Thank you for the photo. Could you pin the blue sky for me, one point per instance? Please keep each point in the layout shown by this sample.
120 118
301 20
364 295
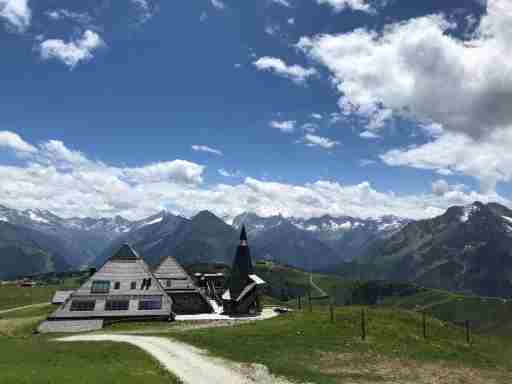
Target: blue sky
276 106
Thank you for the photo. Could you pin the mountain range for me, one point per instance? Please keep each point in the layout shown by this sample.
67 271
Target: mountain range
465 249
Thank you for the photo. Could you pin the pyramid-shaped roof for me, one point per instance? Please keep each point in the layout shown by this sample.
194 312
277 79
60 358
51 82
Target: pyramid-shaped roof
169 268
125 276
125 253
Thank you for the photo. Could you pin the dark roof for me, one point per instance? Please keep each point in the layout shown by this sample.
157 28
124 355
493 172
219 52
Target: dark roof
125 253
242 267
243 235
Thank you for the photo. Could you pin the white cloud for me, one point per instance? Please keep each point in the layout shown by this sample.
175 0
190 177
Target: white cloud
180 171
145 9
317 116
284 3
60 14
226 173
17 13
73 52
294 72
418 69
369 135
291 21
284 126
310 127
204 148
272 30
14 142
319 141
490 161
341 5
218 4
69 183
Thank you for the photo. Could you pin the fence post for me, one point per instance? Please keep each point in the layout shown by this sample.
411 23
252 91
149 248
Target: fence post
468 333
363 324
331 310
424 325
310 303
298 303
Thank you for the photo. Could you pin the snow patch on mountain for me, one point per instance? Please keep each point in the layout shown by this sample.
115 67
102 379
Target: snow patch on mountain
467 211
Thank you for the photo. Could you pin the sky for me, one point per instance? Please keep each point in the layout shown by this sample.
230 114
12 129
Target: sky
293 107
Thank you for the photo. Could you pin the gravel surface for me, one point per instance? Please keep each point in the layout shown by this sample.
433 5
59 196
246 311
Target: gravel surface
191 365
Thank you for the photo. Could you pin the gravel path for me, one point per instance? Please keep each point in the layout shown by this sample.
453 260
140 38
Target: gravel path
24 307
191 365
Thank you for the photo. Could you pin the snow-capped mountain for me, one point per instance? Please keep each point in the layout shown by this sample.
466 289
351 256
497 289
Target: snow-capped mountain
468 248
81 238
346 237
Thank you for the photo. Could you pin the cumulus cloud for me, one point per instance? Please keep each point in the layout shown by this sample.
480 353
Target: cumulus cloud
341 5
204 148
16 13
284 126
218 4
73 52
63 180
319 141
14 142
419 70
296 73
66 181
490 161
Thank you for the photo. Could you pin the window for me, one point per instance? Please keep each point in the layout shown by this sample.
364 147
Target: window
133 285
83 305
150 305
168 283
117 285
99 286
146 283
117 305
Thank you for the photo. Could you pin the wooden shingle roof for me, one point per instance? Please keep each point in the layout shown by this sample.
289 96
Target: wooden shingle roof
128 278
170 269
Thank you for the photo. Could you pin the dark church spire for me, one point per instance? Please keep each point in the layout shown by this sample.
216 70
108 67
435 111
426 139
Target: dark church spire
243 236
242 267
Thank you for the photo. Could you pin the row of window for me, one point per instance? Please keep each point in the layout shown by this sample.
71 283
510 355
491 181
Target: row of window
103 286
115 305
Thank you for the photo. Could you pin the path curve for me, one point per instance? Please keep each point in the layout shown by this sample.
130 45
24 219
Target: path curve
24 307
189 364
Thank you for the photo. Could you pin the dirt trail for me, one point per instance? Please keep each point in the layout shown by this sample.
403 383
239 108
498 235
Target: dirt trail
24 307
190 364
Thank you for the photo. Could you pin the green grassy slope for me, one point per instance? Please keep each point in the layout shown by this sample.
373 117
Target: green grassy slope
12 296
38 359
306 346
487 315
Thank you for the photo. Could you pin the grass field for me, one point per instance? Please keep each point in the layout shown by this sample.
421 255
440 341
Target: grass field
306 346
26 358
301 345
12 296
486 315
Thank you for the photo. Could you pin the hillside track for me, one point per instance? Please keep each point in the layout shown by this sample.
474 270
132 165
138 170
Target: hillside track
191 365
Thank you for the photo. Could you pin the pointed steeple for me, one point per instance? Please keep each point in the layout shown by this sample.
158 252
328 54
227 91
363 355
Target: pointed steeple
242 266
243 237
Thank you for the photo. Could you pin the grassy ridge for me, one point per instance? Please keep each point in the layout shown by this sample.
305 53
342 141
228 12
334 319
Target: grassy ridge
486 315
